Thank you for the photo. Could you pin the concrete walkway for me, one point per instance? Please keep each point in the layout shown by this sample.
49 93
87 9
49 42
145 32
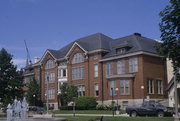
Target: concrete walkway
121 115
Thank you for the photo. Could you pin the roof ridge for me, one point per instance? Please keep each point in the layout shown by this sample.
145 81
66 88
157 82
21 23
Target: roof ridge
100 36
138 44
124 37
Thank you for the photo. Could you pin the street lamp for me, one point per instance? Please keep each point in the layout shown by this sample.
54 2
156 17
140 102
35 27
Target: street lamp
112 102
34 100
59 99
117 110
142 87
176 118
74 106
47 94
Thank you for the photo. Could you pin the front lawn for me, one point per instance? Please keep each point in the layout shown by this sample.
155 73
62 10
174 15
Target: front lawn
120 119
85 112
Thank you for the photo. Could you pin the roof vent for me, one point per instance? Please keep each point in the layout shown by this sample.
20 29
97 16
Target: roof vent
137 34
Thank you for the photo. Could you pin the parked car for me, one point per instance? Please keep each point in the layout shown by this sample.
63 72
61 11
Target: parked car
149 108
32 108
40 109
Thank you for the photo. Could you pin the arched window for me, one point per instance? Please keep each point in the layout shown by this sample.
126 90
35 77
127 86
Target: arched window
78 58
49 64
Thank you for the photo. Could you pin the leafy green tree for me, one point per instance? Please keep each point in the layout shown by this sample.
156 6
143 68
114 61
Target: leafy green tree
11 80
33 93
68 93
170 33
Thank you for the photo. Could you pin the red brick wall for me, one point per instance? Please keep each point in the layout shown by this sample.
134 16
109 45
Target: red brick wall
51 85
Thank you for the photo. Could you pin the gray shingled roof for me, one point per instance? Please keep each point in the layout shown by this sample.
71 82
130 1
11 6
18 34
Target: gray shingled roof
101 41
94 42
89 43
135 42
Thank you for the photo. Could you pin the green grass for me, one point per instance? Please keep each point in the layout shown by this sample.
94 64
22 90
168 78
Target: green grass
85 112
2 114
120 119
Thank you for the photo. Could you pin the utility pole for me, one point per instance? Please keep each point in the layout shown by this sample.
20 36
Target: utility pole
112 102
47 105
176 118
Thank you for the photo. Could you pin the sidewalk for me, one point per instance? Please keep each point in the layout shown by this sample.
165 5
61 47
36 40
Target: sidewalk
121 115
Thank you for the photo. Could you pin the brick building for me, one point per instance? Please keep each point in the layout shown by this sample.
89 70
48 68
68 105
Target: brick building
128 68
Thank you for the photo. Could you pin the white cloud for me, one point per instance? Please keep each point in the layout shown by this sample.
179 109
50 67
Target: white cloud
19 61
158 40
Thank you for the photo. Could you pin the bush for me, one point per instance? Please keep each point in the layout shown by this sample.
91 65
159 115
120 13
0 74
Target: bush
85 103
66 108
106 107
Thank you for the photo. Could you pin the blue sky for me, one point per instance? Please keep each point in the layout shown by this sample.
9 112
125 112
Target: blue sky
55 23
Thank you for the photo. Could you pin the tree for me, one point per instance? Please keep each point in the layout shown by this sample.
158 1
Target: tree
11 80
33 93
170 33
68 93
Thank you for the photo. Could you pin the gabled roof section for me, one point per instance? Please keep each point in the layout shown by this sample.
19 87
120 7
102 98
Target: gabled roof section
73 46
89 43
48 51
95 42
136 42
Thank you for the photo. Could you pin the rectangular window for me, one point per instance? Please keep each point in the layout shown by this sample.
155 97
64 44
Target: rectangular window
51 76
121 67
124 104
96 89
109 68
95 70
95 57
121 50
81 90
133 65
124 87
150 86
160 86
112 89
62 72
78 73
51 93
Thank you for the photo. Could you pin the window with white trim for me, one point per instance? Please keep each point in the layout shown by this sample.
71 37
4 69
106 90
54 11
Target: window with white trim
95 57
159 86
51 93
62 72
150 86
112 87
78 58
124 87
96 90
109 68
133 65
49 64
51 76
78 73
121 67
95 70
121 50
81 90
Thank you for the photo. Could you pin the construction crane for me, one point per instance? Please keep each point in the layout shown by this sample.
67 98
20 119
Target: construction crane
28 59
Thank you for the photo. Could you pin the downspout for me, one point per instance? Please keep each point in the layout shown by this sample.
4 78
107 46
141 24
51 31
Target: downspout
102 91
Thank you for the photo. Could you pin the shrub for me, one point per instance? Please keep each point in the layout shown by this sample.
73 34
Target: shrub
85 103
66 108
105 107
